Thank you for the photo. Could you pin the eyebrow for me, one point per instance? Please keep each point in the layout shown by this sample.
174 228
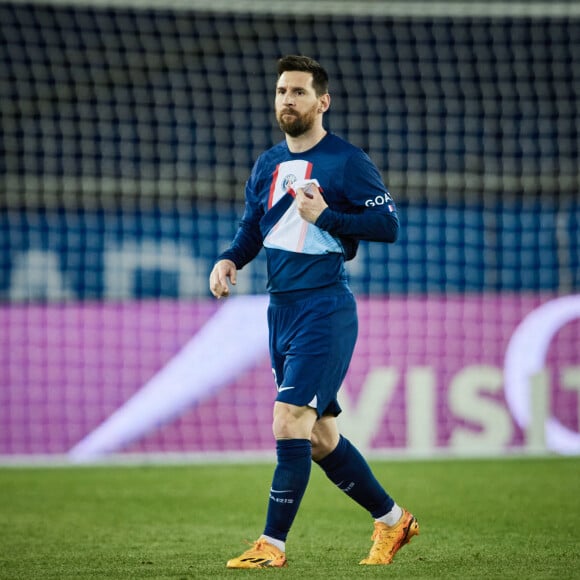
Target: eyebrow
292 87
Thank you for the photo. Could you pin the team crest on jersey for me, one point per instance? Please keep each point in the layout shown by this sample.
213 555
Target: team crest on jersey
288 181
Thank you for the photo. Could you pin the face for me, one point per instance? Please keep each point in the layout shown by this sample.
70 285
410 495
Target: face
297 105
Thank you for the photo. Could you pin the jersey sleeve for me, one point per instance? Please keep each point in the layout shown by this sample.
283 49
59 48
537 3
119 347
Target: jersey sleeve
247 242
373 214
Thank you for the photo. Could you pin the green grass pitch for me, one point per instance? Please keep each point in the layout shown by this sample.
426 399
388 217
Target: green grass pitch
507 518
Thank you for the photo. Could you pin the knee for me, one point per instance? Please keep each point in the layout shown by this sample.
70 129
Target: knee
283 426
322 446
292 422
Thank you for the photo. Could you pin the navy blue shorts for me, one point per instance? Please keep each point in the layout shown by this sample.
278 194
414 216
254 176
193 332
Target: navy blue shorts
312 338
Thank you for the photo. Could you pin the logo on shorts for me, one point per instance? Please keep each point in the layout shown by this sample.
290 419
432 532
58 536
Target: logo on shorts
278 387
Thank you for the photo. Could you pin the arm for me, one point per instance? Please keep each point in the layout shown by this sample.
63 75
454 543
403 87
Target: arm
368 225
371 213
244 248
247 242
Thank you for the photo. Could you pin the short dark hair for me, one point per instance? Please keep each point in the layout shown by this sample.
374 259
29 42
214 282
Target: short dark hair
295 62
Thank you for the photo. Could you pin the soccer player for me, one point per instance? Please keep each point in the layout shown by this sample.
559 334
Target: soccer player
310 199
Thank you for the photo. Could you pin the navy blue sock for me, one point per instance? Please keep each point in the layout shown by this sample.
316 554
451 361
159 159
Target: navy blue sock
350 472
288 485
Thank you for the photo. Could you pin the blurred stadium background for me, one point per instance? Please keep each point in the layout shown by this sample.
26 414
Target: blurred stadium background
128 131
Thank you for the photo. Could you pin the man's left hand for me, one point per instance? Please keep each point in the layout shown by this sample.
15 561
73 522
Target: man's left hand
310 203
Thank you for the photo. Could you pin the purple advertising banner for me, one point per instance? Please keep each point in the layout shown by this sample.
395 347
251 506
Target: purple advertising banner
470 374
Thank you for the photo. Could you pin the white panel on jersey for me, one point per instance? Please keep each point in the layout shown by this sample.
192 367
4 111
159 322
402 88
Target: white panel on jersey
291 232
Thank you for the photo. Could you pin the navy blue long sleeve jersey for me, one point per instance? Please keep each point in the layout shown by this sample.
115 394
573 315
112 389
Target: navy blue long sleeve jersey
301 255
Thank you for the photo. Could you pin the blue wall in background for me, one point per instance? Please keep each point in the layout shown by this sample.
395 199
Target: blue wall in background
442 248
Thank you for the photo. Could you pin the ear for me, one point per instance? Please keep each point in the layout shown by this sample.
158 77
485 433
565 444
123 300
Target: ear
323 103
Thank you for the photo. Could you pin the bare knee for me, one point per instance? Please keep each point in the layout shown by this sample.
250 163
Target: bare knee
324 438
321 447
292 422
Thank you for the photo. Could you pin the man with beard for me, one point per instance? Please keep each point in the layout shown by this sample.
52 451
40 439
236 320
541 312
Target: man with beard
310 199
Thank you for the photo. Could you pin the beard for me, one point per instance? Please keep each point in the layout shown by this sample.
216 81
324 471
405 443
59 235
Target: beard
294 124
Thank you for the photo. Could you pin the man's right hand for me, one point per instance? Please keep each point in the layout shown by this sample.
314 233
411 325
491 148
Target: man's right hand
218 279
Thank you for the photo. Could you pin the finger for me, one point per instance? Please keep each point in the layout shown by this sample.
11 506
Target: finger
217 285
223 288
221 292
307 191
216 289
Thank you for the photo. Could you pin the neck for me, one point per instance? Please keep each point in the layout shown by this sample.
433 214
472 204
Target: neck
306 141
